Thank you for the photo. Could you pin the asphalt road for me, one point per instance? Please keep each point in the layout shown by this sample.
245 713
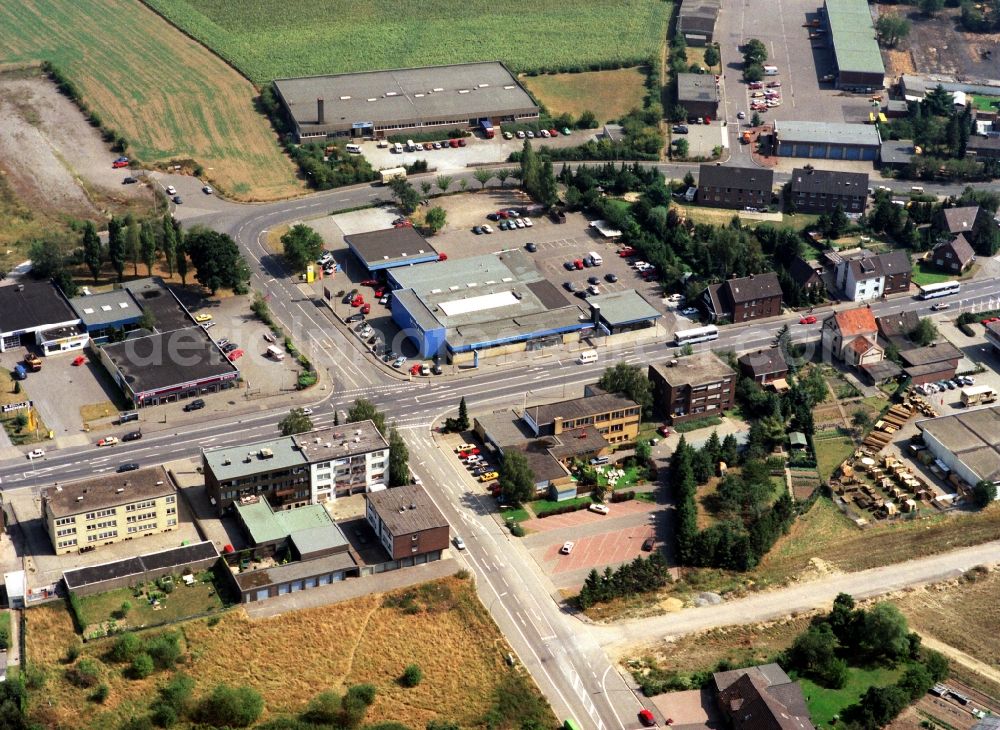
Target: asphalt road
566 658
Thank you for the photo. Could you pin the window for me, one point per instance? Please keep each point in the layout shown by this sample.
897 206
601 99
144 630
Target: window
143 517
67 531
101 525
171 522
136 506
102 536
67 543
65 521
99 514
171 499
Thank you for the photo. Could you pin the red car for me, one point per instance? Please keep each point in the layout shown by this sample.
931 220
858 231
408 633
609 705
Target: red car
442 257
369 282
366 309
626 252
357 301
554 132
578 264
808 320
379 293
991 319
119 164
453 142
646 718
663 431
235 355
415 370
461 142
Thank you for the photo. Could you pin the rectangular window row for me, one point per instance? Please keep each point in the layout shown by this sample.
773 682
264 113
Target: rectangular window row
99 514
102 536
135 507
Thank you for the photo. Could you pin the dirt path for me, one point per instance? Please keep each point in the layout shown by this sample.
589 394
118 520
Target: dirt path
960 657
797 598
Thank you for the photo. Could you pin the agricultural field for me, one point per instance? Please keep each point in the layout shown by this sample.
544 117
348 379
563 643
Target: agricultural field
309 37
169 96
610 95
440 626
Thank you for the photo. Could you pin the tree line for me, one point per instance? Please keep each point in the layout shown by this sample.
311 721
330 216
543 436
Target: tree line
642 575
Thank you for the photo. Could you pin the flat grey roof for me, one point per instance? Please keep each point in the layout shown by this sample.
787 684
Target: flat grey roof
505 427
897 151
624 307
576 408
235 462
96 310
697 87
167 359
322 538
922 84
973 436
336 442
406 510
485 299
931 354
696 369
853 34
544 466
457 92
178 557
33 305
391 245
101 492
152 294
865 135
297 570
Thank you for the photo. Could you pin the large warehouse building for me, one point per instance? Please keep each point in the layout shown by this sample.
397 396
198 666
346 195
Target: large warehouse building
460 309
855 47
380 103
827 140
966 444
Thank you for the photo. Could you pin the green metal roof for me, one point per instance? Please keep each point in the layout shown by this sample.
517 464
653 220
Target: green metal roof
854 42
624 307
265 525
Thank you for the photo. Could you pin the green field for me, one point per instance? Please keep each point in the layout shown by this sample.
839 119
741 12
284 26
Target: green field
825 703
268 40
170 97
924 273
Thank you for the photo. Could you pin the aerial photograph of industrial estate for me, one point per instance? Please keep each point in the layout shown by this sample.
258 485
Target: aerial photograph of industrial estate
563 365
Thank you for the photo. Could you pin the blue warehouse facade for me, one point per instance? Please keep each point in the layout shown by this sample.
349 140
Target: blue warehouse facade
827 140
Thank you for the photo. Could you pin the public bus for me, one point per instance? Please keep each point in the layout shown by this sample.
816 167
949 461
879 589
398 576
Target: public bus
930 291
698 334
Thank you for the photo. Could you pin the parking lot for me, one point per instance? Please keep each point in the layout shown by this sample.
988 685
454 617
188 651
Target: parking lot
801 63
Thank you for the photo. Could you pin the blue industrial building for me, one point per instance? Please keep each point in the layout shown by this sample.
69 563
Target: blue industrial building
827 140
482 306
390 248
105 314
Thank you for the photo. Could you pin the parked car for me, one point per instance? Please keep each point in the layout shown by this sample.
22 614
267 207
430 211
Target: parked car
646 718
195 405
570 286
117 164
459 542
129 180
207 190
487 229
808 320
679 129
130 466
464 447
171 190
398 362
235 355
36 454
229 347
366 308
478 230
611 278
177 200
132 436
489 476
108 441
689 312
202 317
647 544
530 247
601 509
567 548
527 222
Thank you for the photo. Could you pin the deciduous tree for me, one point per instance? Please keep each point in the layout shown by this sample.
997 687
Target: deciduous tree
297 421
517 482
93 253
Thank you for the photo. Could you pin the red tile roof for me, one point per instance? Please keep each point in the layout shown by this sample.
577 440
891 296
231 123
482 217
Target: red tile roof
853 322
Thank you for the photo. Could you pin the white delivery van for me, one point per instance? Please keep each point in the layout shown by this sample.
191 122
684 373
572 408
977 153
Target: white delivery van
770 70
353 149
587 356
275 353
595 258
397 148
410 147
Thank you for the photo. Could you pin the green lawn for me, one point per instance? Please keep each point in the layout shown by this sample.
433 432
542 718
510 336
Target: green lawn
698 423
831 453
184 601
986 103
520 514
304 37
5 624
629 479
825 703
924 273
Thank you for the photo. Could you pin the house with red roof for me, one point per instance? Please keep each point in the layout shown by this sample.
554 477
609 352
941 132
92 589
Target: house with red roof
851 336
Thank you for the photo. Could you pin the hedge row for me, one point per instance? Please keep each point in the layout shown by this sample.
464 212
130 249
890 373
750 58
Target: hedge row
564 509
113 137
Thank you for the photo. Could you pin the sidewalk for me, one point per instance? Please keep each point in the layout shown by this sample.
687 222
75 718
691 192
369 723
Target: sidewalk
353 588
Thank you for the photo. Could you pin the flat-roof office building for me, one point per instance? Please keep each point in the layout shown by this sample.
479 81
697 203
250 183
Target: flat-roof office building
380 103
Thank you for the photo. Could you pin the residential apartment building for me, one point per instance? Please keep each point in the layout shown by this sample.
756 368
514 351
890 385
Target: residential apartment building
89 513
407 524
725 186
307 468
869 276
613 416
821 191
740 300
344 460
692 387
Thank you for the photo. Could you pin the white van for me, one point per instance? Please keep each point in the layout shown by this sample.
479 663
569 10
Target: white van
353 149
275 353
397 148
770 70
410 147
595 258
587 356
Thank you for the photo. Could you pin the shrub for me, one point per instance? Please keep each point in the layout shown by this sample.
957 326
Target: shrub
100 694
622 496
164 649
76 611
126 648
72 653
412 676
516 530
141 667
85 673
164 715
233 706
